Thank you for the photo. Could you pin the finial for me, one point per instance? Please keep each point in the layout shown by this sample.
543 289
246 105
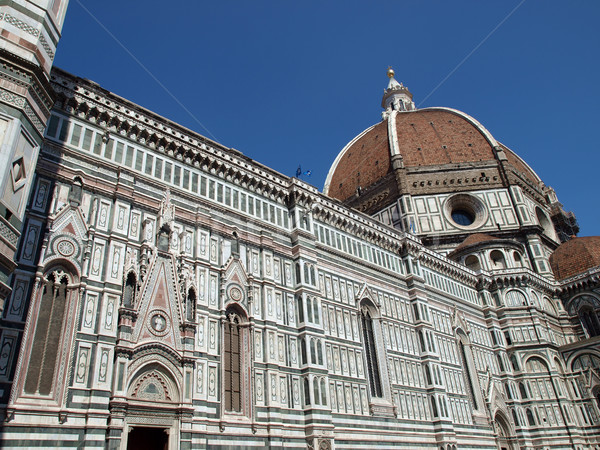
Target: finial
390 72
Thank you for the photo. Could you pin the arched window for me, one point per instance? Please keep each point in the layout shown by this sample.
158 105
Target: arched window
589 320
306 391
587 309
233 360
47 338
427 373
549 307
323 393
371 352
303 350
523 391
498 261
517 259
434 407
472 262
315 310
300 309
515 298
507 389
129 290
309 309
319 352
530 418
515 418
545 222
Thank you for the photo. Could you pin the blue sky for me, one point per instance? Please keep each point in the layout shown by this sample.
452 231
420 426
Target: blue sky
290 83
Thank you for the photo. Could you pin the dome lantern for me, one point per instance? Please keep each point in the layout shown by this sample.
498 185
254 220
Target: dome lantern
396 97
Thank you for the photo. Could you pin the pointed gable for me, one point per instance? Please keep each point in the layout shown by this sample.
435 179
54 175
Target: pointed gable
159 307
68 233
236 283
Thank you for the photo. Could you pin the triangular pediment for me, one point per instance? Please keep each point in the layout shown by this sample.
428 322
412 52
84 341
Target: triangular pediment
365 292
159 307
236 283
69 220
68 232
234 272
496 400
459 322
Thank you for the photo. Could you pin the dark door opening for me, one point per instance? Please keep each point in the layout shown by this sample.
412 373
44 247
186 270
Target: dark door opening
146 438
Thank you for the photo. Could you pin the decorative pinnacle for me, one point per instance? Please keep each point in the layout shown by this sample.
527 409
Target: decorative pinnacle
390 72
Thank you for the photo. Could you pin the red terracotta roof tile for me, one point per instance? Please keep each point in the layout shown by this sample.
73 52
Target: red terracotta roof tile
575 256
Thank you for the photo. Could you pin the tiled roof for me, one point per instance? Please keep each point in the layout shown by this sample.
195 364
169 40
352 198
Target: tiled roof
575 256
473 239
365 162
425 138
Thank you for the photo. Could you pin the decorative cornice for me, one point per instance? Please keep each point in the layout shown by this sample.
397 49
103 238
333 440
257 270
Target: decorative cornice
584 281
433 260
522 277
116 116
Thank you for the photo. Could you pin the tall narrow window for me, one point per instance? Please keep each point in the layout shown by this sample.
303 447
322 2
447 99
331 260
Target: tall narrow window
300 309
44 352
306 392
371 352
232 362
522 391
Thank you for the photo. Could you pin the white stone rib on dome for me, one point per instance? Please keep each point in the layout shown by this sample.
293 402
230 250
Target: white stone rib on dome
339 157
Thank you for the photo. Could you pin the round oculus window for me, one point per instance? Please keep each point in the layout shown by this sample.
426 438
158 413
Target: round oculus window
465 211
462 217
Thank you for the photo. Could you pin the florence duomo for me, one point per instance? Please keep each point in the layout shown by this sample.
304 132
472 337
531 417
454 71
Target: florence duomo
160 290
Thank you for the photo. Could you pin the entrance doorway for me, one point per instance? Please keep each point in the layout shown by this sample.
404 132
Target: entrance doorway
146 438
503 433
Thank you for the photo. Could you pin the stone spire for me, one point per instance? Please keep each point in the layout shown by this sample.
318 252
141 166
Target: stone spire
396 97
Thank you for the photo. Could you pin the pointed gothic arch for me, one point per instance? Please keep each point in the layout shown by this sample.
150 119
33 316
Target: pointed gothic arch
154 383
504 430
587 310
52 312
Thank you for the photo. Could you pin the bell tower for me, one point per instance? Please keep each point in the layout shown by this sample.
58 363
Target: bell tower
30 33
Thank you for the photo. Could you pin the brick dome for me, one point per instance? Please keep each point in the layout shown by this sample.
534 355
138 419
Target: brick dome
575 256
423 138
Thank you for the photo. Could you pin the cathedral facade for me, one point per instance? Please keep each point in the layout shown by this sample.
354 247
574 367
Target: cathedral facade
169 292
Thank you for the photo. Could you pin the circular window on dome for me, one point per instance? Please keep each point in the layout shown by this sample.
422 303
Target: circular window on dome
465 211
462 217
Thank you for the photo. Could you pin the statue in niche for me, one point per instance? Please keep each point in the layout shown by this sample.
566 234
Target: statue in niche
166 212
235 245
164 238
166 216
